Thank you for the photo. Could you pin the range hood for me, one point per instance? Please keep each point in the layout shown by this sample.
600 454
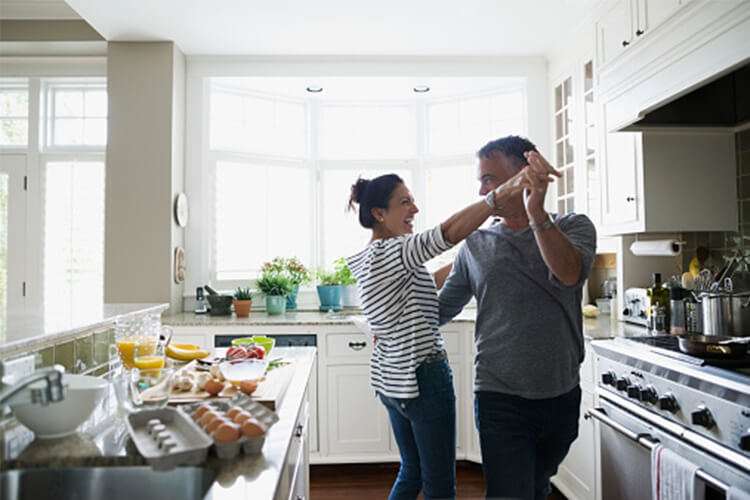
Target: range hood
723 101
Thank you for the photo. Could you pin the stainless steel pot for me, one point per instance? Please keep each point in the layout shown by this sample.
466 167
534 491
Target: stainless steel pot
726 313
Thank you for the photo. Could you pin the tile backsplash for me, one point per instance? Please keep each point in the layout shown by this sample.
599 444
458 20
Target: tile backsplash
722 245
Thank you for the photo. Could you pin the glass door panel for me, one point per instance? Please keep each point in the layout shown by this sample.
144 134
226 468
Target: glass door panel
12 238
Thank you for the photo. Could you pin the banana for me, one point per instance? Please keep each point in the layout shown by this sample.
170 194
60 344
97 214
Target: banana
187 347
176 351
695 267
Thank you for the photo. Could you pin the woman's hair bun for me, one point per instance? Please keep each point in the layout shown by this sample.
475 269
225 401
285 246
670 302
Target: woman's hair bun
358 190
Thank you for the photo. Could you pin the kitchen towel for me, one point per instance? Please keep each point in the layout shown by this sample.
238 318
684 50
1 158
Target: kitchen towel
673 477
734 493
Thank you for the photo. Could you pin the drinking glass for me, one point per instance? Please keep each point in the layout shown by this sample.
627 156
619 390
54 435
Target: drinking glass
144 389
148 354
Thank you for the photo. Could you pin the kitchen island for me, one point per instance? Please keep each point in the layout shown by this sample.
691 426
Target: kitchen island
281 468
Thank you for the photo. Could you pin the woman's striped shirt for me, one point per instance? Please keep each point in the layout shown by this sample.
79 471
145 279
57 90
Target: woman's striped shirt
400 301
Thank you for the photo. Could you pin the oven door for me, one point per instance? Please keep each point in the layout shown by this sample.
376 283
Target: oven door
626 442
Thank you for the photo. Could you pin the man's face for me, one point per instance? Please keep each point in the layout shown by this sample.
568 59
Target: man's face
493 172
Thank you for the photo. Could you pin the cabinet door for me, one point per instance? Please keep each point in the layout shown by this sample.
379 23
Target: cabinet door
356 421
576 476
614 31
620 172
651 13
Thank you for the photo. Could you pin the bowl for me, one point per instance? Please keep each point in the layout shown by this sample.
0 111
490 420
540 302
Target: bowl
82 394
266 343
236 371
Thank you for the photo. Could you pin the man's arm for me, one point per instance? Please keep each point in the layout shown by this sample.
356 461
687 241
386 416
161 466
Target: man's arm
455 293
441 275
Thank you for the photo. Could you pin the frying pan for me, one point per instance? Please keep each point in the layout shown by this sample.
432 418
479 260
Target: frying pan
714 346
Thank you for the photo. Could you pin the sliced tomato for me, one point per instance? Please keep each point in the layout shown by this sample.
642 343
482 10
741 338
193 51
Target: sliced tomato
256 351
237 352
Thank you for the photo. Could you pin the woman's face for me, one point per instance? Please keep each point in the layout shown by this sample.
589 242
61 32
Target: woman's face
398 219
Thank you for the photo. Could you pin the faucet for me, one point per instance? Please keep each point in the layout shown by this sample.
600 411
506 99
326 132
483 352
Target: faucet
52 392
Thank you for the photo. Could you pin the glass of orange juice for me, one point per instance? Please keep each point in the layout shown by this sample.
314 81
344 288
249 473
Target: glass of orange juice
148 354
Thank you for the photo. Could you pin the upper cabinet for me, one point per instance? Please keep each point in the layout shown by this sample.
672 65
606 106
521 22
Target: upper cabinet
629 20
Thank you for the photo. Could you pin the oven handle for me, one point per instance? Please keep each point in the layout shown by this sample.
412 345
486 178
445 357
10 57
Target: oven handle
649 442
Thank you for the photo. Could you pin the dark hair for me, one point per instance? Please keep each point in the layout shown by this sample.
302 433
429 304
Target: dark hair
375 193
512 147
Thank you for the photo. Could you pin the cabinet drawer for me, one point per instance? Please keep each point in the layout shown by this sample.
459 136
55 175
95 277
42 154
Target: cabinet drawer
348 345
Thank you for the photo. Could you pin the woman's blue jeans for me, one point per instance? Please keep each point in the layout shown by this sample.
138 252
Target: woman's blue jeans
425 431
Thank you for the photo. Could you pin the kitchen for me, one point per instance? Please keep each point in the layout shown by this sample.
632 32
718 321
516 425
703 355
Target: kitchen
613 64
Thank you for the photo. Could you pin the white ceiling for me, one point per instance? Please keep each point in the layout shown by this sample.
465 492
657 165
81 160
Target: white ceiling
339 27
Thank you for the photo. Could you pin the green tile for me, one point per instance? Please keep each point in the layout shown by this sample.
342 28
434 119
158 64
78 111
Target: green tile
44 358
84 355
716 239
745 211
689 240
734 240
743 139
701 239
65 355
744 159
102 341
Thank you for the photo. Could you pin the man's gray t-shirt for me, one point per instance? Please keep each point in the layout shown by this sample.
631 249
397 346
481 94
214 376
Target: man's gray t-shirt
529 333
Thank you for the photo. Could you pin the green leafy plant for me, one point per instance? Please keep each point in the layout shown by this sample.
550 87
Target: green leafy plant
327 278
344 274
243 293
290 267
274 284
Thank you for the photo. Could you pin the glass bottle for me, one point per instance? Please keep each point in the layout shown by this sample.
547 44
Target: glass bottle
657 294
200 301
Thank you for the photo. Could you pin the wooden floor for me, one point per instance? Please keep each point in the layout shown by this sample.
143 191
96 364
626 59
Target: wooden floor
374 481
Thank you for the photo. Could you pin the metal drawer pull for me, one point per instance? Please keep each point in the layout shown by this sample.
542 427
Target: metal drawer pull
648 442
357 346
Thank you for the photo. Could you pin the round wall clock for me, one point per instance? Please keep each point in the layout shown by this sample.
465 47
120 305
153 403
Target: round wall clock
181 209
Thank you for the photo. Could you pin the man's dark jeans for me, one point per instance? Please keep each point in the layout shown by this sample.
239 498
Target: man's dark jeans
523 441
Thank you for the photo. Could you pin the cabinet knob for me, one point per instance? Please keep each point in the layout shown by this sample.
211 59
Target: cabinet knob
357 346
630 198
625 43
298 430
639 32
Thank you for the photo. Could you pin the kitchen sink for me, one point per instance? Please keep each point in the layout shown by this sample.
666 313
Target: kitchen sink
112 483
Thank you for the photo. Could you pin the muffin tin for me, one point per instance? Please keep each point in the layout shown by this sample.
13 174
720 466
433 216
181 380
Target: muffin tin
246 445
167 438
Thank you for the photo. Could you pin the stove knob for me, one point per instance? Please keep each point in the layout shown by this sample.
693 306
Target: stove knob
702 416
668 402
648 394
626 311
634 392
745 441
608 378
642 314
622 383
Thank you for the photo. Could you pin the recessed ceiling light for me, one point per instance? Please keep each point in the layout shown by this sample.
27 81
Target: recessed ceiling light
314 89
421 89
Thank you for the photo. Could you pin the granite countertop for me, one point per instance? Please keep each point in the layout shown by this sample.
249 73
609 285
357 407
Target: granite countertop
261 318
254 476
25 332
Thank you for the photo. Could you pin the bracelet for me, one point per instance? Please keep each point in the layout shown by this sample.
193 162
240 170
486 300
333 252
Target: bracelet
538 228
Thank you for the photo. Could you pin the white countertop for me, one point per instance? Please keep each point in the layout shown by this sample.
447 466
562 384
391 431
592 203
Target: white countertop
26 332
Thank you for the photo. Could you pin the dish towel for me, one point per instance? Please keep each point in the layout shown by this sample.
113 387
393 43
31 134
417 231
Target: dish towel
734 493
673 477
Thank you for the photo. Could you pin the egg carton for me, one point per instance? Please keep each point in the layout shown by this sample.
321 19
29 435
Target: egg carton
166 438
247 445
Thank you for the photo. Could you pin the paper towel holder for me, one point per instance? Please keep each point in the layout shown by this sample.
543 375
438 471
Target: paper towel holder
656 248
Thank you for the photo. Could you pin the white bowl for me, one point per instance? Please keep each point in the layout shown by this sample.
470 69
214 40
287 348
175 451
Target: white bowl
82 394
236 371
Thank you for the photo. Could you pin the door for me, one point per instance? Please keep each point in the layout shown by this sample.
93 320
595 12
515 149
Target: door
620 195
651 13
615 31
12 235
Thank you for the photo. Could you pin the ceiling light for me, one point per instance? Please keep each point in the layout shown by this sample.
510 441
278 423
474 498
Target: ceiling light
314 89
421 89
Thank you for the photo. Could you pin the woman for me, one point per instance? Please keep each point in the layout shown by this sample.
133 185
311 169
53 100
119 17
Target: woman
409 368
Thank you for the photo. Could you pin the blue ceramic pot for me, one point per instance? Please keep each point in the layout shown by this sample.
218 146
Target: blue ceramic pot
330 297
275 304
291 299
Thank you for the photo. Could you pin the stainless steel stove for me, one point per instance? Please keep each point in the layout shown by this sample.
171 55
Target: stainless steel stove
651 393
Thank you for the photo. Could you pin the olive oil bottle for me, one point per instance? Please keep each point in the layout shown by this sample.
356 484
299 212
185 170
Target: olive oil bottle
658 317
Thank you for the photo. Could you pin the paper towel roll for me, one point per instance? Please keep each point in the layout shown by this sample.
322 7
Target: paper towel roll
664 248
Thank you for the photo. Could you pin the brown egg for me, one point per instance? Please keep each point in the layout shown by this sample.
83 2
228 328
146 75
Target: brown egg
207 417
215 424
241 417
252 428
200 411
233 411
227 432
248 386
213 387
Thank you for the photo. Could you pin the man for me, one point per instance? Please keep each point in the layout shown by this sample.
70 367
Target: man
526 272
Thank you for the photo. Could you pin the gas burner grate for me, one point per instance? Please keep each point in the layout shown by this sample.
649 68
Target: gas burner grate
669 345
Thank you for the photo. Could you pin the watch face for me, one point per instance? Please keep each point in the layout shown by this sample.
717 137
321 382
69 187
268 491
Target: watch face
181 209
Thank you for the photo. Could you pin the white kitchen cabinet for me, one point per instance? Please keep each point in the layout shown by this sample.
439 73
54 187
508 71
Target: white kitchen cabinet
627 21
667 181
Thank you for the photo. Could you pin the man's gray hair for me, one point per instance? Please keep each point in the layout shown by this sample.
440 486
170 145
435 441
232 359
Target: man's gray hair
512 147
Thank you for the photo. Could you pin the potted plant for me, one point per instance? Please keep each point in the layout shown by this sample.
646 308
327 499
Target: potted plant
294 270
349 294
275 286
329 290
243 299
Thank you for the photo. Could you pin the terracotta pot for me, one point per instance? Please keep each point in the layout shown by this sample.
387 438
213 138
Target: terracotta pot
242 308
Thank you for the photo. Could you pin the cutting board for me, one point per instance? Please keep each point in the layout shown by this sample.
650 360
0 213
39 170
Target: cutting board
270 391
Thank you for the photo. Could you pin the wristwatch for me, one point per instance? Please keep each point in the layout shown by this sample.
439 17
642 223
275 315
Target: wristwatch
490 200
541 227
